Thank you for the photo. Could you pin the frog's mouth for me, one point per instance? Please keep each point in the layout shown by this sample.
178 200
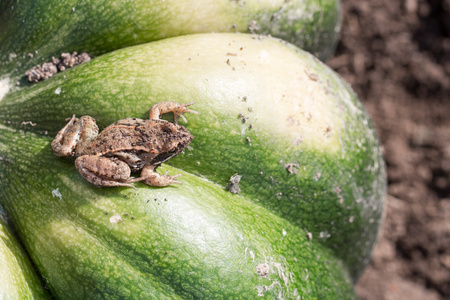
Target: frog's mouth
165 156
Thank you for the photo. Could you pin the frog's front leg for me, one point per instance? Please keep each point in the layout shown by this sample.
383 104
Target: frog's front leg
72 139
178 110
152 178
104 171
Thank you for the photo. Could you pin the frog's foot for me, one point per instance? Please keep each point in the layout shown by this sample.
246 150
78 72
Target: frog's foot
150 177
178 110
102 171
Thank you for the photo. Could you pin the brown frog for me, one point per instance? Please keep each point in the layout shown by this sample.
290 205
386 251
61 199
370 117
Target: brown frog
108 158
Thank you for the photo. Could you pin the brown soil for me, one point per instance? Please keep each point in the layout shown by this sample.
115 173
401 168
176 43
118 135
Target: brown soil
396 56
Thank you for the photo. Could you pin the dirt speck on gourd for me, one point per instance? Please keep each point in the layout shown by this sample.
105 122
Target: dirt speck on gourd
292 168
115 219
263 269
243 118
311 76
56 193
253 26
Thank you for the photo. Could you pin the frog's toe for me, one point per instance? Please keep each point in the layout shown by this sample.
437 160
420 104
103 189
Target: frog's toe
159 180
178 113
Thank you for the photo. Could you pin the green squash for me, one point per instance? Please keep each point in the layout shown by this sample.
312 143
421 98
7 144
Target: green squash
18 279
32 31
312 186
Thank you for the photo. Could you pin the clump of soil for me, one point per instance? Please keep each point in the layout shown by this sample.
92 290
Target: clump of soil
396 56
65 61
233 184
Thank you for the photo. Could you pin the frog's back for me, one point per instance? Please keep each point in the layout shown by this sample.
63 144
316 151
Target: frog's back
132 135
119 136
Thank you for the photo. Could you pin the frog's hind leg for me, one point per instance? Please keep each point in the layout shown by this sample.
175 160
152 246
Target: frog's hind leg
103 171
152 178
67 138
74 136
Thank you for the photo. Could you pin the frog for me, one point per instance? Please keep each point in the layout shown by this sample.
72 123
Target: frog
128 145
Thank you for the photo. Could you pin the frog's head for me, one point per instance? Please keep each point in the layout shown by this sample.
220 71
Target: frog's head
173 139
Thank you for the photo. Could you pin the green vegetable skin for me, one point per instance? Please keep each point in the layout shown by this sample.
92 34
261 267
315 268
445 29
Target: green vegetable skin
31 32
198 240
18 279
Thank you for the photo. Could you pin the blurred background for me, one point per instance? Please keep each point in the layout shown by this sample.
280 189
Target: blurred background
396 56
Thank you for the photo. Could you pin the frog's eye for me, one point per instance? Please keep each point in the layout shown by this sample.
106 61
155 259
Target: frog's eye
173 149
170 147
169 127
